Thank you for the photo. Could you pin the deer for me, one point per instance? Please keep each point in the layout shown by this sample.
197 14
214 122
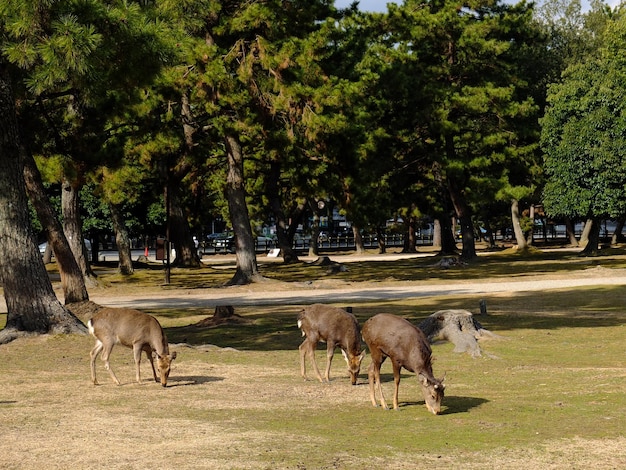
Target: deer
337 328
388 335
133 329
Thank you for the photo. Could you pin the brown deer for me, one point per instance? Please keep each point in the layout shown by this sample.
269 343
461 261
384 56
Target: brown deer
133 329
390 336
337 328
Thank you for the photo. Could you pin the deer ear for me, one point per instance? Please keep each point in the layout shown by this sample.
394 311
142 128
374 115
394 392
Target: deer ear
423 379
345 356
173 355
361 356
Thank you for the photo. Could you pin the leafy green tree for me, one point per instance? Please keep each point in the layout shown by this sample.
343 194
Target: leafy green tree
82 64
584 136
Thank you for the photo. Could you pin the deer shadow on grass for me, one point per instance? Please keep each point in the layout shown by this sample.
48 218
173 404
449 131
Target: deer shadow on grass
185 380
449 405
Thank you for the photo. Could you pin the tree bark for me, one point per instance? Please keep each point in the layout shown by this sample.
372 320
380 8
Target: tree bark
247 270
358 240
463 212
436 233
571 233
72 280
283 234
517 229
122 240
314 244
531 233
448 243
586 234
617 234
409 241
592 227
31 303
179 233
72 227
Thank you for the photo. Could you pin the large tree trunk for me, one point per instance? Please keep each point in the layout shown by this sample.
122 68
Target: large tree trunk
31 303
179 232
448 243
531 232
314 244
122 240
410 241
592 227
436 233
358 240
283 234
72 227
247 270
586 233
464 214
517 228
72 280
617 234
571 233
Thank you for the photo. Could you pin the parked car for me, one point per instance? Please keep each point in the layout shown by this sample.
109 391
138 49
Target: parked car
43 246
225 242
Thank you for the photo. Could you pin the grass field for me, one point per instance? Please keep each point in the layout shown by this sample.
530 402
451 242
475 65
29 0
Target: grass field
551 393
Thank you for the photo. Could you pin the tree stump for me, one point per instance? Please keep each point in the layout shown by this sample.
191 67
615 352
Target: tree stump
224 314
457 326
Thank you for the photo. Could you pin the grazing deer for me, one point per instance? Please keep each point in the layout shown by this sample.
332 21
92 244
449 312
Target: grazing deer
132 329
337 328
394 337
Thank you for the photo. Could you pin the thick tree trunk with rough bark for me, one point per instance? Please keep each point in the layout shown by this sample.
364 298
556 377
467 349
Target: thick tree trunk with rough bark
179 233
247 270
283 234
436 233
31 303
586 233
72 280
463 212
72 227
592 227
358 240
122 240
517 228
571 233
409 241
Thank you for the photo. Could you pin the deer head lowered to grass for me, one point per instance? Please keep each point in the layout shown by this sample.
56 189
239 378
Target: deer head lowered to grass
406 346
133 329
336 327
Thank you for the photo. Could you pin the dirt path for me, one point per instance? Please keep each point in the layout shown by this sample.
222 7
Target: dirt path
328 290
311 293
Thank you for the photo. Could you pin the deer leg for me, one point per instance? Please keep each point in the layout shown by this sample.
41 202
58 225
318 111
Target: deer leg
93 355
396 382
150 355
379 385
303 353
371 378
106 352
309 345
330 352
137 349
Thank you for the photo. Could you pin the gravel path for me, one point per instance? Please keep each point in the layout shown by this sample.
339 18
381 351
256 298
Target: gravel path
330 291
311 294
